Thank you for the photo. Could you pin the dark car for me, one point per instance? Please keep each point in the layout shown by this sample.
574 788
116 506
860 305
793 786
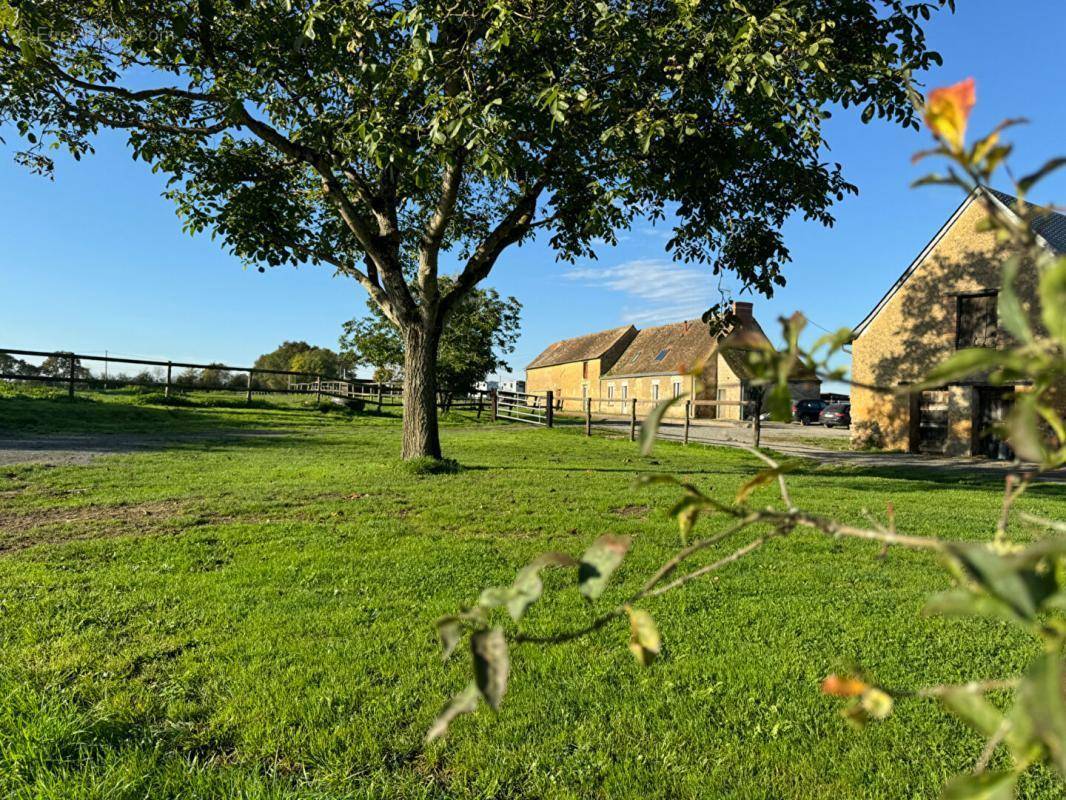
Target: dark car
806 411
836 414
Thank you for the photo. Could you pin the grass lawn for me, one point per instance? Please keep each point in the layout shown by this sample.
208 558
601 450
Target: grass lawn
253 618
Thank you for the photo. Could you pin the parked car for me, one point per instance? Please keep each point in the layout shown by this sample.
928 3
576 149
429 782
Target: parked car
806 412
836 414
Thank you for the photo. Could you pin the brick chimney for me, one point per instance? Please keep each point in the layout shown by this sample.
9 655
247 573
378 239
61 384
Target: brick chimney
743 311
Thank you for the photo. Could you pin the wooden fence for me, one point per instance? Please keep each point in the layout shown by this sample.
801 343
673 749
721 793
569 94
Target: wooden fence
310 383
546 409
551 410
73 378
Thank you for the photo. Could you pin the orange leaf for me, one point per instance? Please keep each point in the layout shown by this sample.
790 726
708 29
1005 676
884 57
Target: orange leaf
948 109
843 687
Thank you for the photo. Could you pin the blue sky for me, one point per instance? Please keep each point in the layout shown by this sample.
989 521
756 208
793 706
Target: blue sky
97 261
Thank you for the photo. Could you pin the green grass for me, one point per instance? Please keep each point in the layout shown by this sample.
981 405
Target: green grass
253 618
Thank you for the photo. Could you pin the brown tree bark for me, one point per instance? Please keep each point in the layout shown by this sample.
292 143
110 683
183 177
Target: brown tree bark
420 433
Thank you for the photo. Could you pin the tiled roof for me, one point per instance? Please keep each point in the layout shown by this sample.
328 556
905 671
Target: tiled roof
664 350
1052 227
678 347
580 348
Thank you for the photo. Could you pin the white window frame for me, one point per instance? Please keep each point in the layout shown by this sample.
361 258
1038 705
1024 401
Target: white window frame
625 391
655 391
677 388
610 391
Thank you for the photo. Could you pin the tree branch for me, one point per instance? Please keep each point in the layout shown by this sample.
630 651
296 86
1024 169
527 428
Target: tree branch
510 229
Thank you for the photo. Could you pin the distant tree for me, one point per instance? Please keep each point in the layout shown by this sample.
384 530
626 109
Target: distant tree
188 378
58 366
375 136
481 330
317 361
297 357
213 377
9 365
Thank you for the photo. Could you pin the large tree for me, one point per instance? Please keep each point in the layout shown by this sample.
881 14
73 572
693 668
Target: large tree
369 134
480 332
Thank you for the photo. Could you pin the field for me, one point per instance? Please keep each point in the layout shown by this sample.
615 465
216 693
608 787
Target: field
253 617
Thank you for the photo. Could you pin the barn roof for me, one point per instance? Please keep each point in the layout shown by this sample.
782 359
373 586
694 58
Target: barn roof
580 348
666 350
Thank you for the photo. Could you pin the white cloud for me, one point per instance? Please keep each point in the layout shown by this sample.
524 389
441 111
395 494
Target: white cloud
653 291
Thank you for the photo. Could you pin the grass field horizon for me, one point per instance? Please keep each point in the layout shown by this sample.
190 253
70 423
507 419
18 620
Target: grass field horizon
253 618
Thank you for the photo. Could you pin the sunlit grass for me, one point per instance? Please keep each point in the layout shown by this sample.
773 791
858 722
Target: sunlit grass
253 618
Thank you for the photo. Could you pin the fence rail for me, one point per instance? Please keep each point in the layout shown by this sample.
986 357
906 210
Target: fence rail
74 377
310 383
549 409
542 409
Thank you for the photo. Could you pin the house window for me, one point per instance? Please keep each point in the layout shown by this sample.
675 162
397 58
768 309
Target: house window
662 354
977 322
585 370
655 391
610 391
677 388
625 391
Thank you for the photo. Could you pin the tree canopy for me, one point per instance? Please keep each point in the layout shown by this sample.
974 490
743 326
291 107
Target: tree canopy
373 135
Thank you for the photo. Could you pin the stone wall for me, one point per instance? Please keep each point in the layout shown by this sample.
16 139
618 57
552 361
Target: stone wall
916 330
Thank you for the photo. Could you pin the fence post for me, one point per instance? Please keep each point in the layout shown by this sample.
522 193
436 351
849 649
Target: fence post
495 406
633 420
588 416
480 403
318 389
756 425
381 396
688 415
549 408
166 389
70 367
249 399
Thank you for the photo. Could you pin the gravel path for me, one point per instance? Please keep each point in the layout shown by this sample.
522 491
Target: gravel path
66 449
802 441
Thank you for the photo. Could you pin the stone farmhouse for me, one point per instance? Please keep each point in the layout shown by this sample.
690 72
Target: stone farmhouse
611 368
946 300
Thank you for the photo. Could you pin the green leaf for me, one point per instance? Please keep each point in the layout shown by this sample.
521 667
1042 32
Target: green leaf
986 786
687 512
974 709
492 665
599 562
961 364
494 597
996 576
649 429
964 603
1053 299
1011 314
463 703
1030 180
1041 695
1023 426
766 476
779 403
527 586
644 640
449 631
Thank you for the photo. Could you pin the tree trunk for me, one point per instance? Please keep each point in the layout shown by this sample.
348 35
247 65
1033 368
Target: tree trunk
420 435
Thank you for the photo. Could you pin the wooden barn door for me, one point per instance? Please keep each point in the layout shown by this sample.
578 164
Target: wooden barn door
933 421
